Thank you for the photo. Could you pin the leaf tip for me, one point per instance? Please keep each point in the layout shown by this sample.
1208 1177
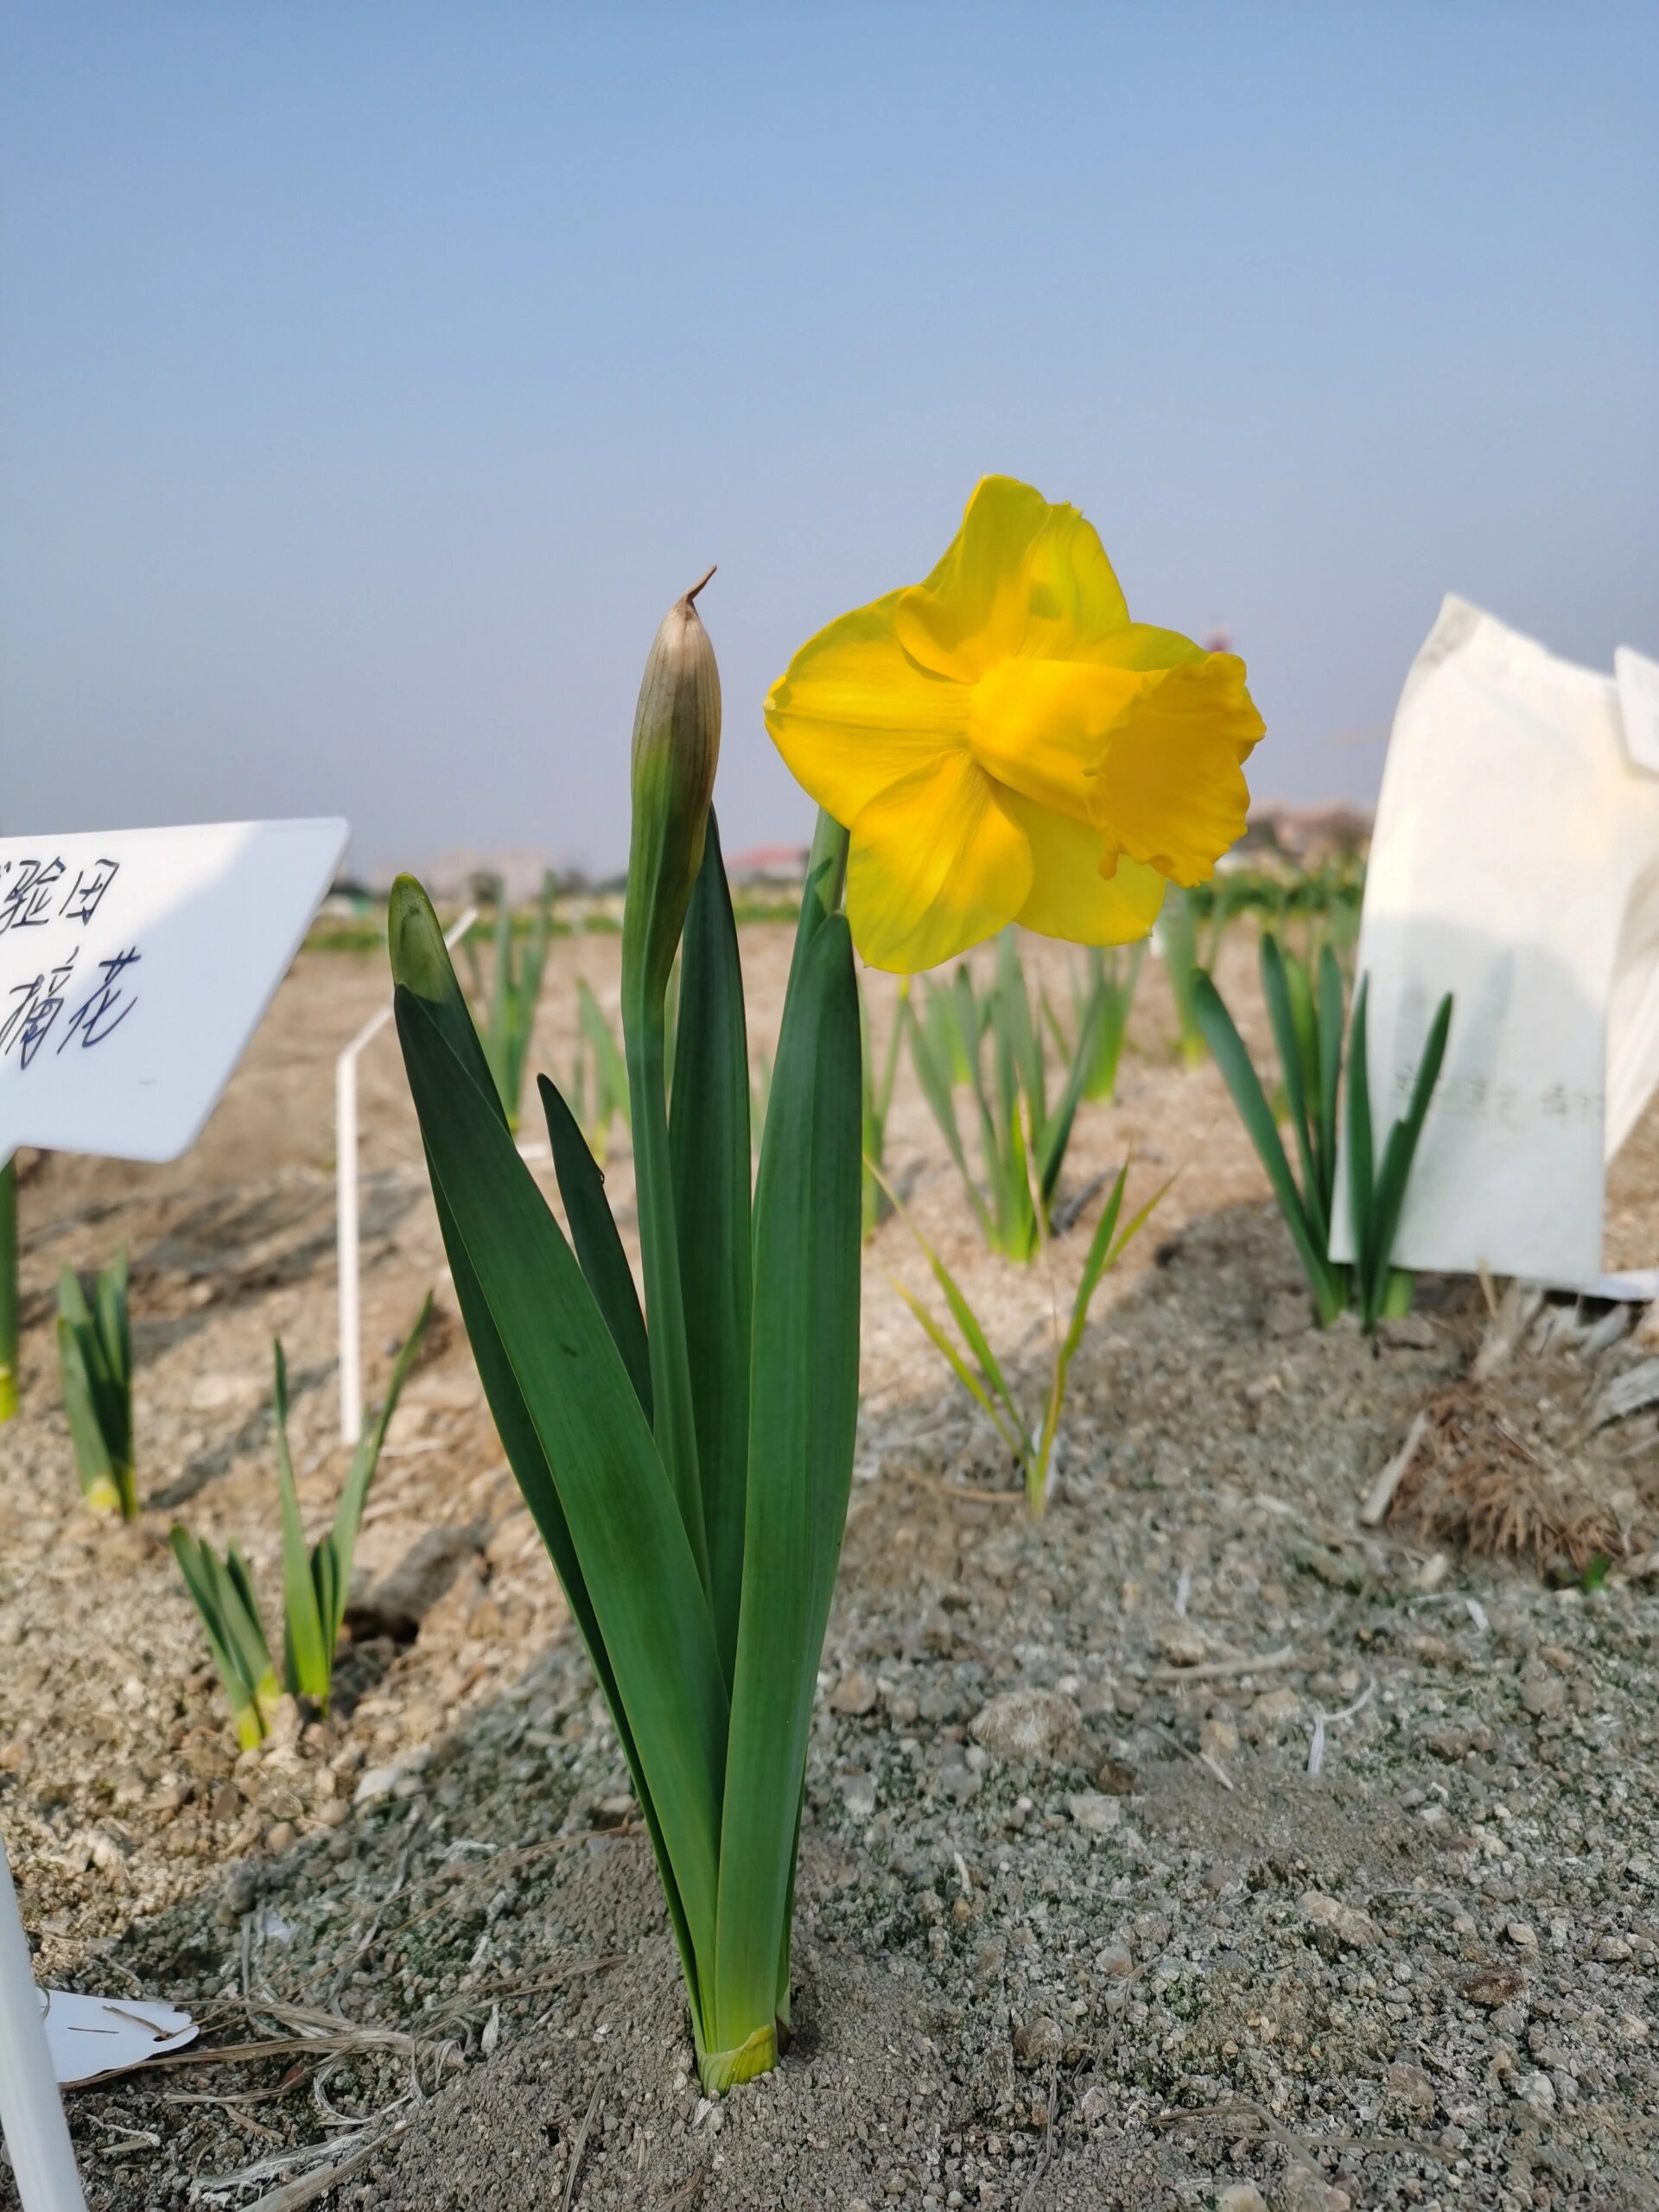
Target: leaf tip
419 960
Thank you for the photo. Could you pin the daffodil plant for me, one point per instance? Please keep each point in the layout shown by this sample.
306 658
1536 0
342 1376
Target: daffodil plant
688 1465
95 1370
316 1578
999 742
1307 1018
976 1366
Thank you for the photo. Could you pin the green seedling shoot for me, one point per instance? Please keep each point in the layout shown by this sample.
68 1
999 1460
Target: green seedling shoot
95 1370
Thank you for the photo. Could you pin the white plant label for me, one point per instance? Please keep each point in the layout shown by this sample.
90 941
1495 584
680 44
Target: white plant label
134 965
91 2037
1516 864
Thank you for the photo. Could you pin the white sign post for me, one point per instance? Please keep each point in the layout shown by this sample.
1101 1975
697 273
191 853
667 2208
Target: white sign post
1515 863
134 965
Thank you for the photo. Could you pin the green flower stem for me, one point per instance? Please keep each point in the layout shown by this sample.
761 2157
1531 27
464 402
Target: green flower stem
644 1032
826 876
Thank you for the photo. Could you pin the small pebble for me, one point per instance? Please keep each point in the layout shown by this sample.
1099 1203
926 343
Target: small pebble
1350 1926
1039 2042
1030 1726
854 1693
1241 2197
1093 1812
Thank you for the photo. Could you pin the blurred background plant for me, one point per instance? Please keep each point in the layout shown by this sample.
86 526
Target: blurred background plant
599 1080
976 1366
95 1369
514 989
1102 991
1023 1138
877 1101
1176 936
1305 1009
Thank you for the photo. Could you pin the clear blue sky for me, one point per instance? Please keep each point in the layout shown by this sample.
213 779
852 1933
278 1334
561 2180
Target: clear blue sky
372 376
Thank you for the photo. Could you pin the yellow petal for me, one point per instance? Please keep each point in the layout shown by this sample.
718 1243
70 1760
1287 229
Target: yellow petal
936 864
1144 645
1020 578
853 713
1069 896
1043 726
1172 793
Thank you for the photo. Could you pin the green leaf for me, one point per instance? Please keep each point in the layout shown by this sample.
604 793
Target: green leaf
598 1248
1178 941
1288 1034
354 1494
959 1367
1362 1180
1099 1255
570 1420
804 1414
710 1155
236 1641
94 1464
673 1409
1056 1131
529 1462
239 1609
826 874
1025 1040
498 1034
973 1335
1002 1201
114 1324
1330 1029
1398 1154
420 960
1227 1049
308 1659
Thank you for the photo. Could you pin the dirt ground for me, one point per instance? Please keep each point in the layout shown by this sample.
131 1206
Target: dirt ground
1195 1842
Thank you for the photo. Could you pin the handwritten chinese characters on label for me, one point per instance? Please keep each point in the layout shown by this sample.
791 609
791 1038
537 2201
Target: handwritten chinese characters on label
134 966
33 894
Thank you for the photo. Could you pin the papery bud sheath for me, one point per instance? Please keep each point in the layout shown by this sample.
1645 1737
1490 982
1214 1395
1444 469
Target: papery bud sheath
675 751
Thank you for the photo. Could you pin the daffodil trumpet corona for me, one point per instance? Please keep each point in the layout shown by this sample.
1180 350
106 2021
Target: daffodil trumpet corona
688 1462
1003 744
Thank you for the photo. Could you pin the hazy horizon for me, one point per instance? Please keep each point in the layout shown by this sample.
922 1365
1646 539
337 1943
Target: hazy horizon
373 379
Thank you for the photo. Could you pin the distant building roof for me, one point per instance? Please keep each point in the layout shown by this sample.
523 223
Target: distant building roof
1306 833
785 863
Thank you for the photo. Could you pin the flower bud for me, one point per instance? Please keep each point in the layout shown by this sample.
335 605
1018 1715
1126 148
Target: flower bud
676 749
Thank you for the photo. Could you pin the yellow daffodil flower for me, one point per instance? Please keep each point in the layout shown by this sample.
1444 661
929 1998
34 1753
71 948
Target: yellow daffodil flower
1004 744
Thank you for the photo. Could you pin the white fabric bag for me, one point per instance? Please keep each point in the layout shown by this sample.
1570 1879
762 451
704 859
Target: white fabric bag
1515 863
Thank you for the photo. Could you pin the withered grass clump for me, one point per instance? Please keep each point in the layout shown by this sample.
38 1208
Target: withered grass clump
1485 1476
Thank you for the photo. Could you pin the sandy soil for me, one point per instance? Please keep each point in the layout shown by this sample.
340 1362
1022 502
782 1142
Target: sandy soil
1134 1952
